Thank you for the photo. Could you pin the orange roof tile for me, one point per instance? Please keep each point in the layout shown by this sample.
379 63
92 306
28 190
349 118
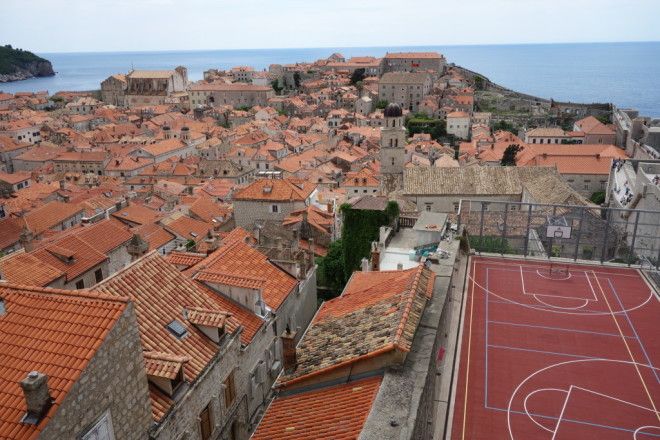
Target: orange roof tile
70 255
51 214
240 261
276 190
77 324
161 294
333 412
26 269
377 312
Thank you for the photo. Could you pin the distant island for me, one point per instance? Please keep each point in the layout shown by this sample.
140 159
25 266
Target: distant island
19 64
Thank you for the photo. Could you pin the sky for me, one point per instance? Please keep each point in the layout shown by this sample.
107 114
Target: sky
144 25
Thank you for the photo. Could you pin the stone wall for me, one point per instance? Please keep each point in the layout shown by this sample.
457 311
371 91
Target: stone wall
114 381
246 212
182 422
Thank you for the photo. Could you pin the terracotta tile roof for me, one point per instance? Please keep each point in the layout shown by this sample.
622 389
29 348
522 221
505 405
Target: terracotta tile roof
250 322
70 255
276 190
210 318
161 294
51 214
336 412
77 324
186 259
155 235
188 228
26 269
416 55
320 220
235 260
136 214
163 364
207 209
377 312
164 147
11 228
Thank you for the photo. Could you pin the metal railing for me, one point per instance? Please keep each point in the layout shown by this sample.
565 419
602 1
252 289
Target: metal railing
574 232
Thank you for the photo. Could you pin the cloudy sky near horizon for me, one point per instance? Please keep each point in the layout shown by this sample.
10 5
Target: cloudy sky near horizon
141 25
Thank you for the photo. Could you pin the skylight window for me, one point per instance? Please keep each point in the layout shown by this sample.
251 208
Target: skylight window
177 329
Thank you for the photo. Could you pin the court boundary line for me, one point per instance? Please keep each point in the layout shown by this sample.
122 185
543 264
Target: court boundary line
544 263
469 352
632 327
616 321
561 329
509 411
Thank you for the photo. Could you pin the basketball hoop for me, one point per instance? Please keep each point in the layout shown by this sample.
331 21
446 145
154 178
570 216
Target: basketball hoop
557 227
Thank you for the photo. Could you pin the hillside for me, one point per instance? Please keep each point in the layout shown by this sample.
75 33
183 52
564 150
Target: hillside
19 64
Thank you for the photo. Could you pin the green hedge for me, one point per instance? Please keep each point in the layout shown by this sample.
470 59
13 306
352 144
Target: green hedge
487 243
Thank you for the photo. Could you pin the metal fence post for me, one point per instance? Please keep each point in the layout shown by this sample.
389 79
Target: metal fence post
481 227
634 238
506 213
607 227
578 236
527 232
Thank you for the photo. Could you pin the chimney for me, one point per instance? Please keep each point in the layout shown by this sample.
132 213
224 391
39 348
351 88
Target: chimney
375 257
289 356
37 397
62 185
279 243
25 239
185 133
365 265
311 246
167 132
399 266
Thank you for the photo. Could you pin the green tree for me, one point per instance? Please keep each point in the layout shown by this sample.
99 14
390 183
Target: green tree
505 126
296 79
357 76
381 104
509 156
275 84
331 267
479 82
421 123
605 119
598 197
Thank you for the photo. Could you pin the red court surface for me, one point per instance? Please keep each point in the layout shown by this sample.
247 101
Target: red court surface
545 356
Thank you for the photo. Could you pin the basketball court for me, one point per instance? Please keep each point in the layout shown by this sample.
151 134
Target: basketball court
557 351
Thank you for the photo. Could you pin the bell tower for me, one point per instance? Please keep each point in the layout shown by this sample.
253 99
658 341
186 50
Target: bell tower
392 148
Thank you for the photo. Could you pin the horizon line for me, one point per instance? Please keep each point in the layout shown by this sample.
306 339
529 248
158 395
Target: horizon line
348 47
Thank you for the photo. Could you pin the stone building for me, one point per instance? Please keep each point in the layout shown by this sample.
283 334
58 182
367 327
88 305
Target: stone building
81 162
237 94
271 199
414 62
406 89
191 352
113 90
154 87
47 395
392 148
458 124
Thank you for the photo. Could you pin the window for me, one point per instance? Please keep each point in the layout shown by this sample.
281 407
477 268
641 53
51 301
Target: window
274 208
205 426
428 207
80 284
98 275
230 390
102 430
456 206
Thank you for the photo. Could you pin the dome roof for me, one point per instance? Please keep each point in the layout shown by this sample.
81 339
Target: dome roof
393 111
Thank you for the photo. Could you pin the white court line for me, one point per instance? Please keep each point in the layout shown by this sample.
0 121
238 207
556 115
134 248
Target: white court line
536 295
533 307
538 272
527 410
495 261
584 304
643 428
559 364
561 414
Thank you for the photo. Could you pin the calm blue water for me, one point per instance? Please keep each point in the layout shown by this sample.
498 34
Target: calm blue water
627 74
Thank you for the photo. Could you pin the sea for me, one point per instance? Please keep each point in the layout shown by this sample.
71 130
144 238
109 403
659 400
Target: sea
626 74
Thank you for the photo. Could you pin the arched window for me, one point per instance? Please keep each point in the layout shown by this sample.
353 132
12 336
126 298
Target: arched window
391 142
396 142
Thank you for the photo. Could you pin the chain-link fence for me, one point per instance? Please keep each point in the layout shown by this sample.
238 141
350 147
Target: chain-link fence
563 231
